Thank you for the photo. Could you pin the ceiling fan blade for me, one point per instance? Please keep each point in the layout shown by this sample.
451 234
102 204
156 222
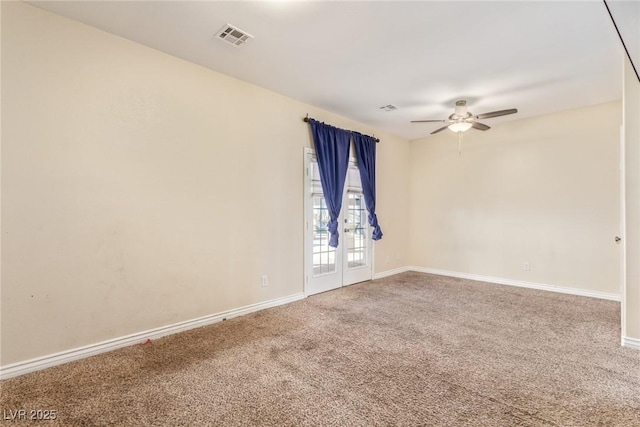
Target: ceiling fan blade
479 126
428 121
441 129
497 113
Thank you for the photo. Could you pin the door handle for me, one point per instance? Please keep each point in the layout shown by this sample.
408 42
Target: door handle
617 239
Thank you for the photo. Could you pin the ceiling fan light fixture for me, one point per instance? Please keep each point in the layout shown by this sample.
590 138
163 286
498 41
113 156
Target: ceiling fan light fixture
462 120
459 126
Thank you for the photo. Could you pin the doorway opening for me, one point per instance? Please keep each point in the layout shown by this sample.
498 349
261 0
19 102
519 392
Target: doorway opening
328 268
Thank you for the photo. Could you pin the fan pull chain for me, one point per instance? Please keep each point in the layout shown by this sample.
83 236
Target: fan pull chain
459 143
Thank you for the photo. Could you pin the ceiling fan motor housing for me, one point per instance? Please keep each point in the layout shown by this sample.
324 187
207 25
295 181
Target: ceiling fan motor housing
460 110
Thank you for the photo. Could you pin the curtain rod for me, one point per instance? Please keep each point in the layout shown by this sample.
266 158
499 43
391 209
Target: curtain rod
306 119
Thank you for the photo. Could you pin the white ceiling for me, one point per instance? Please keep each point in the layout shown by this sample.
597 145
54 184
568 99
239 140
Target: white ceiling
353 57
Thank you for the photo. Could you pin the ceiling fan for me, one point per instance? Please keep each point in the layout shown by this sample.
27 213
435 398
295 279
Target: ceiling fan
462 120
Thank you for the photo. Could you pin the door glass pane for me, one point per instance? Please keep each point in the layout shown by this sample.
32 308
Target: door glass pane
357 234
324 256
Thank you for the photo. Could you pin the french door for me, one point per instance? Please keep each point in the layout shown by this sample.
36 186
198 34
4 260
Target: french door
329 268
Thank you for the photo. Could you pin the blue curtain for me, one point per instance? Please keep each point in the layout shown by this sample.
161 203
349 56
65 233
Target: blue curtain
366 156
332 152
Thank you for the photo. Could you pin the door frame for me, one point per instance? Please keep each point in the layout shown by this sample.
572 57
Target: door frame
623 235
308 153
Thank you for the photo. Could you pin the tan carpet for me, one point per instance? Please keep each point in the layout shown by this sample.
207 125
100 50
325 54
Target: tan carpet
410 350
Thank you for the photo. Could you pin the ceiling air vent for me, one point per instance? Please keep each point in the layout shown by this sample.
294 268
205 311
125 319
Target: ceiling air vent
233 35
389 107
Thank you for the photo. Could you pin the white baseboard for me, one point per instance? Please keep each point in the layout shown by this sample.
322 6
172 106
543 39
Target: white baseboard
24 367
519 283
631 343
388 273
21 368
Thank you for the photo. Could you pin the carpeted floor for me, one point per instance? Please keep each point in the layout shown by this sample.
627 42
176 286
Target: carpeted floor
409 350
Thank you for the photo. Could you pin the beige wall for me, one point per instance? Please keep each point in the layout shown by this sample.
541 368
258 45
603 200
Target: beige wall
139 190
631 302
543 190
1 233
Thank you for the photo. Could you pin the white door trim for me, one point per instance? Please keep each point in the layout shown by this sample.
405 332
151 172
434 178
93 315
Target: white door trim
623 235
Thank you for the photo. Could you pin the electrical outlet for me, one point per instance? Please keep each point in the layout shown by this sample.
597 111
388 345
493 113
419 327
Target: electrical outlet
526 266
264 280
